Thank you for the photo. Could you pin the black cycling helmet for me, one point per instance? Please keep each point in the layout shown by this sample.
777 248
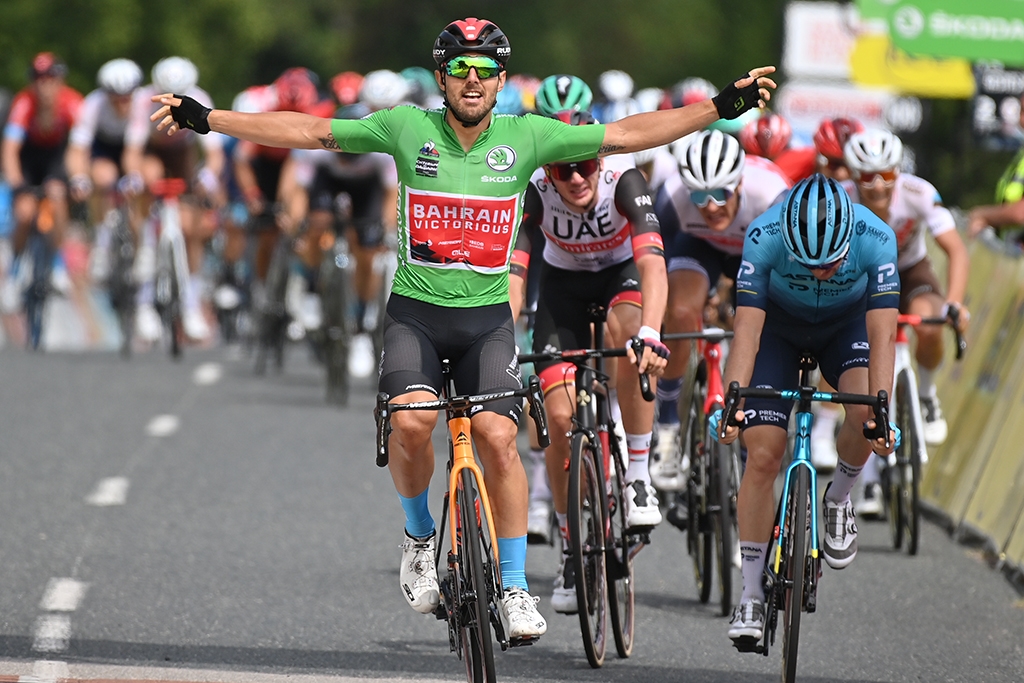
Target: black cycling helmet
471 35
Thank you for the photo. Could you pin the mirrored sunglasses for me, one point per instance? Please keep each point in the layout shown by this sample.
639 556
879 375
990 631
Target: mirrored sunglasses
585 168
888 177
719 196
486 67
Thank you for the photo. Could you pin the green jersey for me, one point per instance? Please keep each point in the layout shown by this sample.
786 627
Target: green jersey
1010 188
459 212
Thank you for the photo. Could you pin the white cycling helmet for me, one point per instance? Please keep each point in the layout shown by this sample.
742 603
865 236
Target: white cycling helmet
383 89
712 160
119 76
615 85
175 75
648 99
873 150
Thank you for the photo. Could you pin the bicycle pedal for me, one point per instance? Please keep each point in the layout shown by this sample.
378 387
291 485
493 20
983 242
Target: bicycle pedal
640 537
641 530
523 641
747 644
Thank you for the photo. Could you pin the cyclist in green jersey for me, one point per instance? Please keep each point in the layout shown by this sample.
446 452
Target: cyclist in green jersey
1008 212
463 173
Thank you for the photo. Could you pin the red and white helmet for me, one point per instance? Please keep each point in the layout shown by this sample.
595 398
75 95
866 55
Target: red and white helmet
766 136
472 35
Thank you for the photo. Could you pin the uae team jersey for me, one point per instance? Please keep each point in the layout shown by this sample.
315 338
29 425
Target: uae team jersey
769 273
762 185
459 211
916 207
600 237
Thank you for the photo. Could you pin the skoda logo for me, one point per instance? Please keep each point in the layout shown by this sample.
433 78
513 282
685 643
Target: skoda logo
908 21
861 227
501 158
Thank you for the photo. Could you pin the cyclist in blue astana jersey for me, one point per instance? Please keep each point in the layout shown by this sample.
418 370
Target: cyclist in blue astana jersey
818 274
463 174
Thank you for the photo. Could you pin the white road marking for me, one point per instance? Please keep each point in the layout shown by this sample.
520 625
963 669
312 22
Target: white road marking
163 425
109 491
207 374
53 633
46 671
63 595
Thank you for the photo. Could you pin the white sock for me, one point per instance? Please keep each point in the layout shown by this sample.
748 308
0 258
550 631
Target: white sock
845 477
871 475
539 487
613 405
925 381
753 570
639 447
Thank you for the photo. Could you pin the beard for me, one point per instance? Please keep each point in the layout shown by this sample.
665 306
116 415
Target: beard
471 117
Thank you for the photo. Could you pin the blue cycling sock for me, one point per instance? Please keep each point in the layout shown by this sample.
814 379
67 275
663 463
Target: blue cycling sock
418 521
512 552
668 399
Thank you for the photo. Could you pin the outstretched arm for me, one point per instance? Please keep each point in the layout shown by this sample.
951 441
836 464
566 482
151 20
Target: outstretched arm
652 129
273 129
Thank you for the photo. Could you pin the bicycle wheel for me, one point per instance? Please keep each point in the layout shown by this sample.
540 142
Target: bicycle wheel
895 475
273 318
720 512
619 562
908 461
793 573
334 293
587 527
700 538
475 613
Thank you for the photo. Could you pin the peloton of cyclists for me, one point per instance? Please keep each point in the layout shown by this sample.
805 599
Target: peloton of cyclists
818 274
601 246
704 210
462 170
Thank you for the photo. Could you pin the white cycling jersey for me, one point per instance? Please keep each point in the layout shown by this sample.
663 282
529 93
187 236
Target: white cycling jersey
663 168
916 205
591 241
762 187
141 130
98 120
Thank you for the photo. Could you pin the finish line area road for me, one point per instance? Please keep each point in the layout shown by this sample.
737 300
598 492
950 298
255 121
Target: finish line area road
190 521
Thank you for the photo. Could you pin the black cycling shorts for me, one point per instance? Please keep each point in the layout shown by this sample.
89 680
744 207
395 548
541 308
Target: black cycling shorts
686 252
562 322
39 164
478 342
838 346
367 196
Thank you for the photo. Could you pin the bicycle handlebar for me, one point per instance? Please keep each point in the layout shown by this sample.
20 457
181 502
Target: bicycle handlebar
710 335
952 319
531 392
579 355
880 404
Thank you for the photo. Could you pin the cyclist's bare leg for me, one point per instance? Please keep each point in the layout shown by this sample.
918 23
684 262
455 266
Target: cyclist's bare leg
929 337
411 451
687 294
853 448
766 445
637 414
560 405
25 207
495 439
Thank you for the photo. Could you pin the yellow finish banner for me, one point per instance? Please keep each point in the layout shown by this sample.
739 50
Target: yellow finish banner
876 62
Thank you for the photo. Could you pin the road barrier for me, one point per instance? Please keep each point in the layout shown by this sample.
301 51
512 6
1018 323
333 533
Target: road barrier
975 480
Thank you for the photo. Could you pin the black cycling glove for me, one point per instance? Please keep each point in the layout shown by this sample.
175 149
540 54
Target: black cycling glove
733 101
192 115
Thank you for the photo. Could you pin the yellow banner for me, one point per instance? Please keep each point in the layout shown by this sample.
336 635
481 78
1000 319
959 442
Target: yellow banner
875 62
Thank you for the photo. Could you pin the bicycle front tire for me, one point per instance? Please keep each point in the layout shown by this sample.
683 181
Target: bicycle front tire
793 573
478 648
907 476
587 528
619 562
720 510
700 538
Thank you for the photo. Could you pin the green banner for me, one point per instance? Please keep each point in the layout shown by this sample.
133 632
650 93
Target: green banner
976 30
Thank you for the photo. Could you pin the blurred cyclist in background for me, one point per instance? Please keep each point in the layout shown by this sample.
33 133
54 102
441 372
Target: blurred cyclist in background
32 154
96 148
149 158
562 93
345 87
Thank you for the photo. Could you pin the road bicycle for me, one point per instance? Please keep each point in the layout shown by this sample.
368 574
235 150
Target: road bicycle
713 482
793 561
172 275
601 545
334 284
121 285
471 588
271 312
901 471
38 257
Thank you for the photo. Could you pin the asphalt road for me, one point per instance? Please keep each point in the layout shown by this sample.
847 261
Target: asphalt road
191 522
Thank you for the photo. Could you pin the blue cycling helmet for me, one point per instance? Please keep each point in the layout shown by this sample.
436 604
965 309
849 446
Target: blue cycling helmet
817 221
510 100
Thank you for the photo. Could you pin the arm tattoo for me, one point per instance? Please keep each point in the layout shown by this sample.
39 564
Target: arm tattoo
330 143
610 149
